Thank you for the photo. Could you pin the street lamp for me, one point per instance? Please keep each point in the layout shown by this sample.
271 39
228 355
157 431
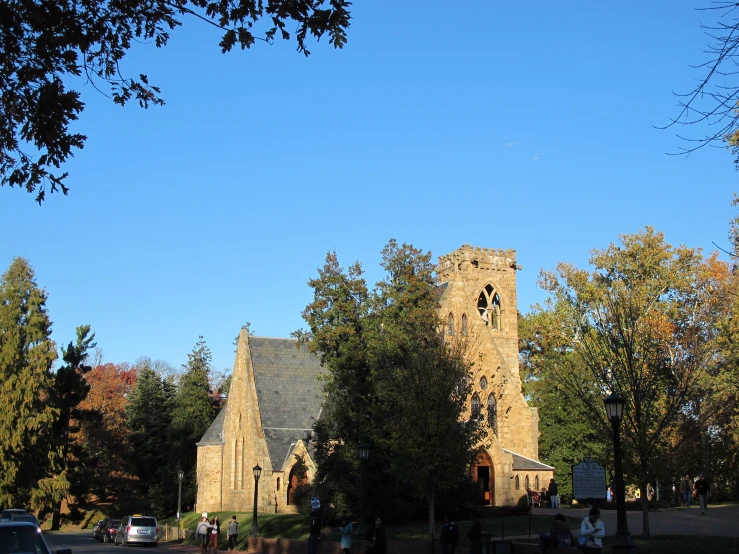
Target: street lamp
622 541
180 476
363 449
254 532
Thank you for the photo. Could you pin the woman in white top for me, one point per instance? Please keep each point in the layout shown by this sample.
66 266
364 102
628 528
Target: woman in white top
592 532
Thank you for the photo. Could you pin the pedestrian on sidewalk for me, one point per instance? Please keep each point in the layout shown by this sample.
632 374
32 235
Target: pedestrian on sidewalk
449 537
475 535
215 533
377 539
201 531
703 489
346 536
315 532
553 494
686 489
233 533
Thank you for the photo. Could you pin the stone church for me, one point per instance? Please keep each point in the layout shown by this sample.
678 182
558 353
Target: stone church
276 396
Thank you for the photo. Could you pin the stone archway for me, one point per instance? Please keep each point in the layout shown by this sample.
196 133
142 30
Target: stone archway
294 481
483 475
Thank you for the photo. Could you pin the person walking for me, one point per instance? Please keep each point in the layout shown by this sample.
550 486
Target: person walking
703 489
232 531
592 532
686 490
474 535
553 494
201 531
346 536
215 533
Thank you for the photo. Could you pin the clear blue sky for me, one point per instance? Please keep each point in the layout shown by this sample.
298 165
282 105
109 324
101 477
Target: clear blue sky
499 124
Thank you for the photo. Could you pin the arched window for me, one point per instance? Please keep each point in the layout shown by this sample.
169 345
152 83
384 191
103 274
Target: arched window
464 325
451 324
278 483
527 482
493 413
518 484
483 382
488 304
536 482
475 411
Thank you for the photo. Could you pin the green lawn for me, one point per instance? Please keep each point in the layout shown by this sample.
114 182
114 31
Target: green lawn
295 526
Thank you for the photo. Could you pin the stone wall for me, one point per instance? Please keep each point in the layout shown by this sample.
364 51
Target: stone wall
209 478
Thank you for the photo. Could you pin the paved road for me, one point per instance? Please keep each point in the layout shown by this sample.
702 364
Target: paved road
81 542
719 521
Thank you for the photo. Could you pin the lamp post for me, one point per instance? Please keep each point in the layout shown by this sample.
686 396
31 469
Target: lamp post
180 476
363 449
622 541
254 532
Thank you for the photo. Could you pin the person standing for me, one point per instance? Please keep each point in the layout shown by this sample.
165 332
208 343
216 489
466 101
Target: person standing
233 533
592 532
686 489
202 531
553 494
377 539
474 535
703 489
315 531
446 539
346 536
215 533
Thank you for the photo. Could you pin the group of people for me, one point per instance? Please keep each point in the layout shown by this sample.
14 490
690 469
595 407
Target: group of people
590 539
550 495
208 533
700 488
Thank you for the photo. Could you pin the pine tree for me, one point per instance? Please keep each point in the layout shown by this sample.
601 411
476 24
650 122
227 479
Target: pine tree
26 356
149 413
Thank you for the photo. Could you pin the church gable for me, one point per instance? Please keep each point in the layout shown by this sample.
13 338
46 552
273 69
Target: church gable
289 393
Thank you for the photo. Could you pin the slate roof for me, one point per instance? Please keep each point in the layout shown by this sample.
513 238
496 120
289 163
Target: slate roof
522 463
214 434
288 391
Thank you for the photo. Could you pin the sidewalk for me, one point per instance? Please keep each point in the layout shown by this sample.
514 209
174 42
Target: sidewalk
719 521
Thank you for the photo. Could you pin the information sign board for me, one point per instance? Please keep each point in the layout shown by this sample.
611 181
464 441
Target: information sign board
588 479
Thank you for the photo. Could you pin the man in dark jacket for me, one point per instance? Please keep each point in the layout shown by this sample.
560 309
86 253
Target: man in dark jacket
376 537
449 537
475 535
553 494
702 488
315 531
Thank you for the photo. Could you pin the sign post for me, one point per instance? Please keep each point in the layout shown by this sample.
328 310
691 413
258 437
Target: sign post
588 480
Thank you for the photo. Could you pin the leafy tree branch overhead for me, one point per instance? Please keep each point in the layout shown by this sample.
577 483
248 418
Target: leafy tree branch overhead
45 42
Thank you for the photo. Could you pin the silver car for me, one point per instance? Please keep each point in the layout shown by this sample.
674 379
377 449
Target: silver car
137 529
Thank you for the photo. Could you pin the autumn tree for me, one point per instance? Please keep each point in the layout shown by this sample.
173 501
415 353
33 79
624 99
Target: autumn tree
643 323
26 357
388 362
48 45
103 438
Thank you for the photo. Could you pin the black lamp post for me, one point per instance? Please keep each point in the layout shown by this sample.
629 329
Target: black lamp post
180 476
622 541
363 449
254 532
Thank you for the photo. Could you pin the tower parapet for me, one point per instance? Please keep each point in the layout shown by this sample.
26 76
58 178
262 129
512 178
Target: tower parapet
475 258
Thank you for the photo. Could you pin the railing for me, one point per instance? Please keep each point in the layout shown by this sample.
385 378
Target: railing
502 524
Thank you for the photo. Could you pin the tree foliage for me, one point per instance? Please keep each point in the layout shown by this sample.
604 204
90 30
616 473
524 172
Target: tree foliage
643 322
46 43
392 379
26 357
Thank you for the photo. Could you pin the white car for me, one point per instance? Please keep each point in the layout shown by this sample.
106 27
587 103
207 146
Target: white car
138 529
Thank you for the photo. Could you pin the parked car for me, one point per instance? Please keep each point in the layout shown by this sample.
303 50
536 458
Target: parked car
22 536
30 518
138 529
101 529
110 530
8 514
97 526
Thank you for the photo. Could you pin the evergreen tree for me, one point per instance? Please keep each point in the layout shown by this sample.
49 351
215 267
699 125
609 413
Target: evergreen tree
149 414
192 414
26 356
70 389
